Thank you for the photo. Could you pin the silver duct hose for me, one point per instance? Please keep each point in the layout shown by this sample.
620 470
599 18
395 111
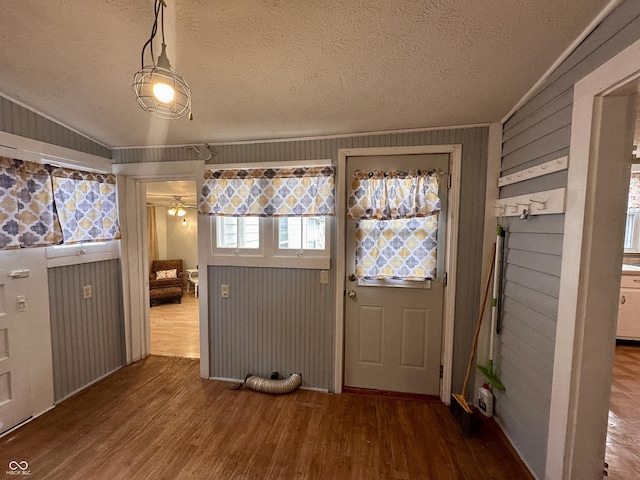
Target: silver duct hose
267 385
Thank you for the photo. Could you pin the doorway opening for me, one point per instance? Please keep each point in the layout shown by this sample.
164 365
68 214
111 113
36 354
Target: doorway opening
602 132
172 240
622 442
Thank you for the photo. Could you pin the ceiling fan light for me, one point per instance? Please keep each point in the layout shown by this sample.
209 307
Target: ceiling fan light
172 211
181 212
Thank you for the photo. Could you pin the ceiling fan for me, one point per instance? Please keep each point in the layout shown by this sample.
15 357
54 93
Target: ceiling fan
176 207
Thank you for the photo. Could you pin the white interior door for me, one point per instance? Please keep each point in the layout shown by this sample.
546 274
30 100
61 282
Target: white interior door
15 393
393 330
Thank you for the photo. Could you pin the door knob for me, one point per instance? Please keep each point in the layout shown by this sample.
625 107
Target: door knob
351 294
352 277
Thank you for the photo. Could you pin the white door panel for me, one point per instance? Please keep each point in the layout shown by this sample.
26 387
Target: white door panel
393 334
15 394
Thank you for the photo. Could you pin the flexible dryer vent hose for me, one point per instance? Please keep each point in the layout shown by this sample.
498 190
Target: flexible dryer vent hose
267 385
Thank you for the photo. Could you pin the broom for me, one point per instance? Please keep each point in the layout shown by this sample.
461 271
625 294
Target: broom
458 406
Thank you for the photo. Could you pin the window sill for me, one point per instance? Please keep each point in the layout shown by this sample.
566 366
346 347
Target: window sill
64 255
308 263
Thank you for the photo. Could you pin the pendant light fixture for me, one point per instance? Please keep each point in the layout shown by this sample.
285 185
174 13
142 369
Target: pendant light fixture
160 90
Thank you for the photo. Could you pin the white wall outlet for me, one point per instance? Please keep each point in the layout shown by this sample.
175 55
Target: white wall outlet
224 291
86 292
324 277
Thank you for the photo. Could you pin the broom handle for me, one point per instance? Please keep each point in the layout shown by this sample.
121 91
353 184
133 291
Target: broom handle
474 346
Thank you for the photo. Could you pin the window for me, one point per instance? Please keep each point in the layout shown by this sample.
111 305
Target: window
301 233
396 215
288 242
270 216
47 205
632 232
238 233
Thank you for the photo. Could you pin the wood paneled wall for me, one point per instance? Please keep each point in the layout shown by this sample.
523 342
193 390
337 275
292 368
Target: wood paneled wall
283 305
538 132
19 120
87 335
275 319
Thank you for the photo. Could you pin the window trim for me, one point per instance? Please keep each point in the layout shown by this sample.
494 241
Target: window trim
77 253
269 255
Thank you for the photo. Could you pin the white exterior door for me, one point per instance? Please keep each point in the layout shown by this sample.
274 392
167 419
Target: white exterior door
393 330
15 393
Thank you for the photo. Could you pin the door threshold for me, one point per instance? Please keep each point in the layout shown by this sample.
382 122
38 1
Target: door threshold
394 395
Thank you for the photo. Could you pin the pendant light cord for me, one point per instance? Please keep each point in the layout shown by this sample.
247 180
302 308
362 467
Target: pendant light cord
158 8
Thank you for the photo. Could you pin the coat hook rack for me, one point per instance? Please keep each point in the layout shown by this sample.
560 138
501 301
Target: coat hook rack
538 203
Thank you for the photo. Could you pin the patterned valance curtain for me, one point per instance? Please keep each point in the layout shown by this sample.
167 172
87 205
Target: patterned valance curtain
27 215
269 192
394 194
86 205
397 224
634 191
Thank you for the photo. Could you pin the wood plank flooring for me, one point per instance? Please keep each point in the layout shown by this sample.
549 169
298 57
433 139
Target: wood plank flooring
623 435
175 328
156 419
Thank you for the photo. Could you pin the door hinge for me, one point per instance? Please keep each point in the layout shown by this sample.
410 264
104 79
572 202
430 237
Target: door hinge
445 279
441 371
449 181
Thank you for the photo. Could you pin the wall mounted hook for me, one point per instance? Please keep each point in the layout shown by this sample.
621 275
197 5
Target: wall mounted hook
544 204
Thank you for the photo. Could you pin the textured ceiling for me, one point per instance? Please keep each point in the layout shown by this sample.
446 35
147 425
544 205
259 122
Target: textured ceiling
264 69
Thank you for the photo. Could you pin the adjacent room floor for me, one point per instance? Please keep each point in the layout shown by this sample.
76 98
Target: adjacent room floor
156 419
175 328
623 436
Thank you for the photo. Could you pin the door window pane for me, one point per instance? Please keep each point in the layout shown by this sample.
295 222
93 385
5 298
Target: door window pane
401 249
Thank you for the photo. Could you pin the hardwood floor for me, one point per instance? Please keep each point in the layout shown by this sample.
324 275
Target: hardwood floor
175 328
156 419
623 435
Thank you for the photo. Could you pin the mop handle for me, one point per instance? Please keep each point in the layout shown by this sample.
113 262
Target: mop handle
496 287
